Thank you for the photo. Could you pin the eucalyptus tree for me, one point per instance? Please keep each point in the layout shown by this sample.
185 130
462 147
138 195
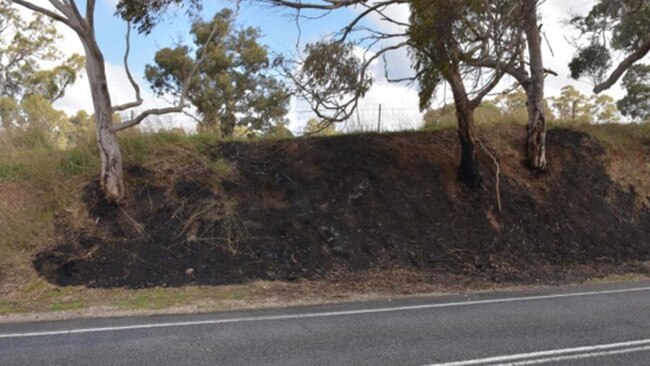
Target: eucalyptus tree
81 20
611 26
235 85
447 37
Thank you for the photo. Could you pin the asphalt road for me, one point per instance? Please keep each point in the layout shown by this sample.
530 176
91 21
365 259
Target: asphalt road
597 325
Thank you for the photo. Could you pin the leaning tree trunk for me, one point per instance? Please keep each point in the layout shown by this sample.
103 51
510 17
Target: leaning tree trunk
536 131
111 179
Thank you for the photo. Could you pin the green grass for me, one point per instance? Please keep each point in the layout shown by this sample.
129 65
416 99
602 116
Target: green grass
68 306
10 171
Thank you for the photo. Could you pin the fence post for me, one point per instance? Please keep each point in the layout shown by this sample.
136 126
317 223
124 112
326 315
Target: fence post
379 120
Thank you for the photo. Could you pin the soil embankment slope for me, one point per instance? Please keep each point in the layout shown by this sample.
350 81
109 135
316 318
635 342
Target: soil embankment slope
330 207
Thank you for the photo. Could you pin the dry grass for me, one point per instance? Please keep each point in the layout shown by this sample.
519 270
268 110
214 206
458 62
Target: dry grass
38 180
628 154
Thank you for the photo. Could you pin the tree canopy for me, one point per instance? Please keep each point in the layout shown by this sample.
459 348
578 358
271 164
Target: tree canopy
574 107
24 45
233 86
636 104
611 26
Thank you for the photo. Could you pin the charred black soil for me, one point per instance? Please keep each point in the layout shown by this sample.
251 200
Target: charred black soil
328 208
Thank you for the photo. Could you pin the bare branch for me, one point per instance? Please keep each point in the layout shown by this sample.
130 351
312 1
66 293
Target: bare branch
138 98
328 4
75 10
375 8
487 88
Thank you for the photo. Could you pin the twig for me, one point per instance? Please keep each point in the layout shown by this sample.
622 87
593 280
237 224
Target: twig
139 227
497 173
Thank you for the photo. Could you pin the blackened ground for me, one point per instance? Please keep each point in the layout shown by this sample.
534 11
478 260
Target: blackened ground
330 207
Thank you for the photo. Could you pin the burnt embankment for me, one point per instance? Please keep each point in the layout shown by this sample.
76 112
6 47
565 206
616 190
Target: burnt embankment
330 207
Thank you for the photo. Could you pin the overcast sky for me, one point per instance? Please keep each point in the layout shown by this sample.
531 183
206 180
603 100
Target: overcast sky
281 35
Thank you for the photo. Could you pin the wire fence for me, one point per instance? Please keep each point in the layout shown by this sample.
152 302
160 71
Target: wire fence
367 118
378 118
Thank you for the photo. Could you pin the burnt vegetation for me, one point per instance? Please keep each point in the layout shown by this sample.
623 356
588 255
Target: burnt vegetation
330 207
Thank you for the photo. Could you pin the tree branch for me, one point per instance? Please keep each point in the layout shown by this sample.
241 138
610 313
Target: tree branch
329 4
521 76
138 98
340 110
640 53
75 10
90 14
65 9
46 12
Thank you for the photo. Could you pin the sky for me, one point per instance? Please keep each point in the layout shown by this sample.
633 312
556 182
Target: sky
283 36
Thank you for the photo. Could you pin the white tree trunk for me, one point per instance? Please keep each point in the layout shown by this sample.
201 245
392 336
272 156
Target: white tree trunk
536 137
112 175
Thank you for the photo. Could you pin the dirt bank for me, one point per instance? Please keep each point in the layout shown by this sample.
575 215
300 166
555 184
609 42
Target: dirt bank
327 208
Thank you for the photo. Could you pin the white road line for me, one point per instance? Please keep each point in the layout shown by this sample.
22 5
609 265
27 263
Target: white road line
533 358
578 357
319 315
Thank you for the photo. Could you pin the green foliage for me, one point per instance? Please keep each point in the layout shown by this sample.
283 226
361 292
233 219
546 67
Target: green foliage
604 109
233 86
279 131
572 106
592 61
513 105
610 26
35 122
576 108
315 127
636 103
332 70
331 78
145 14
9 112
24 45
444 42
569 109
433 31
486 114
10 171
